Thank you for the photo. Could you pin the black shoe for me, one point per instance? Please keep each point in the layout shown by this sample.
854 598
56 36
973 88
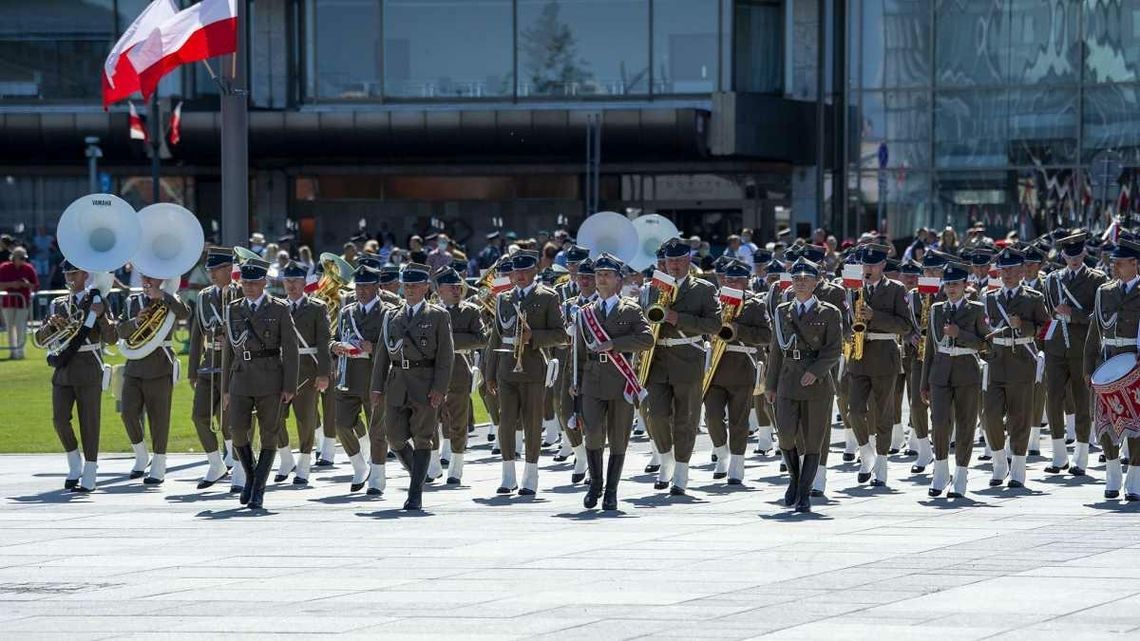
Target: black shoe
79 489
280 478
848 457
815 494
807 477
760 452
577 478
792 464
506 490
735 482
714 457
245 459
917 469
639 432
652 469
391 455
1070 441
878 483
720 475
660 485
137 474
71 484
783 467
893 451
933 493
1111 494
322 463
373 491
1034 452
1131 497
594 462
495 451
300 481
953 495
421 459
1015 485
986 457
1076 471
911 453
613 477
1101 458
863 477
676 491
559 458
996 482
261 477
150 480
526 491
490 436
451 480
445 463
1053 469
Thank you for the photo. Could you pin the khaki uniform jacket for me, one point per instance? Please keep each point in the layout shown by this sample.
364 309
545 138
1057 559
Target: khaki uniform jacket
85 368
270 327
207 329
891 315
469 335
946 370
358 325
543 311
1082 286
818 337
160 362
698 313
1014 364
311 320
629 333
424 337
753 329
1126 308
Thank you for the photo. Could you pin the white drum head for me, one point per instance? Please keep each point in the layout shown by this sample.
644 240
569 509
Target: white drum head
1114 369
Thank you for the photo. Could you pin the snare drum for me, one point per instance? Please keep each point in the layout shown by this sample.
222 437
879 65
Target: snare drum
1116 384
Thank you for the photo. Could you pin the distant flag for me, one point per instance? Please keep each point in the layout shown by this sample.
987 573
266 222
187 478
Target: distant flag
138 127
120 79
176 124
204 30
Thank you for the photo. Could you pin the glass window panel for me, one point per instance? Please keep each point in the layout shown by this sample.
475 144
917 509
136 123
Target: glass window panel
1042 126
898 196
583 47
973 39
1112 30
967 196
1049 197
447 48
344 48
1044 41
54 49
896 43
1112 122
902 120
971 128
759 43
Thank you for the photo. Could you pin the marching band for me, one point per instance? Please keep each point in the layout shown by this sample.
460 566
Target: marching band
1002 342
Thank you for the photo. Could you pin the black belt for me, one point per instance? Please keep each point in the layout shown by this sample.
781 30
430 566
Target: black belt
261 353
603 357
405 364
799 354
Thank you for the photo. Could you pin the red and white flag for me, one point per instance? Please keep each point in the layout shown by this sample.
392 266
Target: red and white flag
928 285
662 281
138 127
176 124
785 280
731 296
852 276
500 284
205 30
119 76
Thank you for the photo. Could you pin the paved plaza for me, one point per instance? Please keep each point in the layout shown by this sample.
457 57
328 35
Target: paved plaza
1054 561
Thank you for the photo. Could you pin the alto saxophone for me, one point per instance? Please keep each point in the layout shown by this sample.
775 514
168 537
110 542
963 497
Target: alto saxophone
858 328
655 315
924 320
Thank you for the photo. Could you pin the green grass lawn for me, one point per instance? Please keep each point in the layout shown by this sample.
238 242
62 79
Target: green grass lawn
25 414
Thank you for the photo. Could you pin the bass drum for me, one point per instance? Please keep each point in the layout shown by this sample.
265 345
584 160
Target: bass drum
1116 386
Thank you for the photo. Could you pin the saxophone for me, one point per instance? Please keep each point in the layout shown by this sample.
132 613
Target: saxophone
655 315
725 335
858 329
922 324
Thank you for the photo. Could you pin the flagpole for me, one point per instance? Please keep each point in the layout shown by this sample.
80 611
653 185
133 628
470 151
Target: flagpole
155 146
235 143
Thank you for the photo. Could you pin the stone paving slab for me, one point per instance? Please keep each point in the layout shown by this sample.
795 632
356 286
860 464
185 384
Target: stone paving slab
132 561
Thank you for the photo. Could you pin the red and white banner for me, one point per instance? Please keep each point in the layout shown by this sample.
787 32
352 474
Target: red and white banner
176 124
138 128
596 334
662 281
785 280
928 285
312 283
204 30
500 284
994 283
731 297
852 276
120 79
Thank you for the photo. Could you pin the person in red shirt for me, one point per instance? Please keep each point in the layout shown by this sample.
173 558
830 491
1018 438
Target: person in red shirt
18 280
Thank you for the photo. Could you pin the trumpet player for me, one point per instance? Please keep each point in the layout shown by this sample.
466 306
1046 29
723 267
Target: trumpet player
808 335
208 372
468 335
148 382
609 330
884 313
528 319
354 347
583 292
1016 313
262 346
311 322
677 366
729 396
78 380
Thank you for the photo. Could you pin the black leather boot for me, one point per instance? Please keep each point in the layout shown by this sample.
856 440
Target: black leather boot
613 476
404 455
594 462
245 458
792 462
420 461
807 477
261 477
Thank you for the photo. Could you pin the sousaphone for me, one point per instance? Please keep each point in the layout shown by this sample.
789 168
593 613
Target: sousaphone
608 231
652 231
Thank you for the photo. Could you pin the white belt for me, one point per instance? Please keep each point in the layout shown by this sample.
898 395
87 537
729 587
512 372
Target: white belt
1028 340
508 340
1118 342
956 351
307 351
169 344
674 342
741 349
90 347
879 336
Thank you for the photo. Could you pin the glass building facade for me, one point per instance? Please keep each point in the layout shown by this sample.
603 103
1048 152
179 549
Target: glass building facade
1020 113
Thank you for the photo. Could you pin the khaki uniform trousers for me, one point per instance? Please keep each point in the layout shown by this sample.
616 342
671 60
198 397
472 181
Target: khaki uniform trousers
953 413
413 422
735 403
871 400
610 421
87 400
1006 408
1064 380
520 408
304 409
154 395
803 425
268 409
455 416
672 411
207 400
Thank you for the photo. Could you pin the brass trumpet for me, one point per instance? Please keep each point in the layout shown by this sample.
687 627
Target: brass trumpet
520 326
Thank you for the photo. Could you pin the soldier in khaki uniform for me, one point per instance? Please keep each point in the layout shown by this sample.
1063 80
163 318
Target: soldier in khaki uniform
149 381
608 331
262 352
581 295
520 393
311 320
807 343
1070 294
411 375
354 347
763 280
873 377
78 380
208 372
468 335
918 443
1117 314
1034 255
1015 312
729 397
502 269
951 377
674 382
